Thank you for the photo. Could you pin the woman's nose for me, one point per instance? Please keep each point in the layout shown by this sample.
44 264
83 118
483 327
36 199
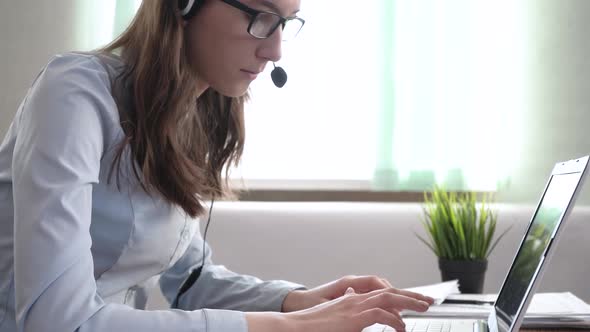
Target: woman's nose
270 49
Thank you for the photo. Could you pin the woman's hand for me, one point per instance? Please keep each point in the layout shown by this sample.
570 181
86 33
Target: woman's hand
303 299
352 312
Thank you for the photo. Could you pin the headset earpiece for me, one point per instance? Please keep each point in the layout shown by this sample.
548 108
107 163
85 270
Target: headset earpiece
188 8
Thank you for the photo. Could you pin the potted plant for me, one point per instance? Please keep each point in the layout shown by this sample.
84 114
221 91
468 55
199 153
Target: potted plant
460 232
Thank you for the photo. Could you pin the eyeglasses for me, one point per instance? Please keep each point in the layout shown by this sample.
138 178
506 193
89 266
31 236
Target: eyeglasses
264 24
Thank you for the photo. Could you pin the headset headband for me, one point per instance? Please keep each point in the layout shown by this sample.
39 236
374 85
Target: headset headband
188 8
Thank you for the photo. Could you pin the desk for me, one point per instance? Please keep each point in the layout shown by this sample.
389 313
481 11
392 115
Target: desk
380 329
554 330
521 330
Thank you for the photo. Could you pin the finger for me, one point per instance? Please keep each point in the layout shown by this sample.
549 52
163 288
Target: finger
386 282
413 295
394 312
364 284
380 316
349 290
389 300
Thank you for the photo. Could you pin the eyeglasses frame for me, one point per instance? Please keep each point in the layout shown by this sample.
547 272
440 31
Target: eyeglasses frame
254 14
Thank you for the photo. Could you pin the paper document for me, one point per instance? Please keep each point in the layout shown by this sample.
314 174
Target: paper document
564 304
438 292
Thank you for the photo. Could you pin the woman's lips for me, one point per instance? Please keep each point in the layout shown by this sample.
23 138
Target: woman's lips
250 74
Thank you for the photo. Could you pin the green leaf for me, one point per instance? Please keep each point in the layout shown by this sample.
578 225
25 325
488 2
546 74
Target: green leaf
498 240
456 226
427 244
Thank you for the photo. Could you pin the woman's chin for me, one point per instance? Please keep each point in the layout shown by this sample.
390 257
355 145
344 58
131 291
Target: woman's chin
234 91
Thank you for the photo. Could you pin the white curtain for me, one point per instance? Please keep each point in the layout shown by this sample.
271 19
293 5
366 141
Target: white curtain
322 125
394 95
99 22
457 96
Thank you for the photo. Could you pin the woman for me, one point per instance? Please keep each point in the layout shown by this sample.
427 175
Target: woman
109 160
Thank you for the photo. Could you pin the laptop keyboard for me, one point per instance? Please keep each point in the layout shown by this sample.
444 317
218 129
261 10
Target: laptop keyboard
425 326
429 326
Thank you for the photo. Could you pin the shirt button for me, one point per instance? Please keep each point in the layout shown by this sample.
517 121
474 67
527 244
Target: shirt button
185 235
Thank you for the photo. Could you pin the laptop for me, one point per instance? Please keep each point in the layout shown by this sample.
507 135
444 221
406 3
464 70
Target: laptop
532 257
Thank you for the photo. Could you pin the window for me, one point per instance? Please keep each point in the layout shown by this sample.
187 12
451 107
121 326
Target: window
100 21
383 95
392 95
321 127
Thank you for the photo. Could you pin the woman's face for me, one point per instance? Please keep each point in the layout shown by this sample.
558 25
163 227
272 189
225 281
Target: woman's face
225 56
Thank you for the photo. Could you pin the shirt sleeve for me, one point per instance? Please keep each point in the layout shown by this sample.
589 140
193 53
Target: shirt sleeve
62 130
217 287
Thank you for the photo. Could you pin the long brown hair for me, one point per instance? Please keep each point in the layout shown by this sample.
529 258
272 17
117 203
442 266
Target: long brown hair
179 143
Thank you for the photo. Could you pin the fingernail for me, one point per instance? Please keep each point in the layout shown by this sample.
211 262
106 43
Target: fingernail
349 290
424 304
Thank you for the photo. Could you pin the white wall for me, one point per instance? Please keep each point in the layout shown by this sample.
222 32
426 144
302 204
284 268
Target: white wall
313 243
557 108
30 32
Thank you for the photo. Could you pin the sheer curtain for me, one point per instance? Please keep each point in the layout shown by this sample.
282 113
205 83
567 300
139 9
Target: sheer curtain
394 95
98 22
319 130
454 94
383 95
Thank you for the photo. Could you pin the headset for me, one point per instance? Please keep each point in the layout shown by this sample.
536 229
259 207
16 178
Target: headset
195 273
188 9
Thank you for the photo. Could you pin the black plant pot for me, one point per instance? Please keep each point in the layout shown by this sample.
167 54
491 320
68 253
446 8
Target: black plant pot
471 274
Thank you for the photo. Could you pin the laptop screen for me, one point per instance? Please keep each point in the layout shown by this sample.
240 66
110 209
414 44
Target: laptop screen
547 219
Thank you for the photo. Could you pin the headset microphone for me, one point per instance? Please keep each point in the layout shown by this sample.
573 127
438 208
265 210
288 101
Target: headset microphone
279 76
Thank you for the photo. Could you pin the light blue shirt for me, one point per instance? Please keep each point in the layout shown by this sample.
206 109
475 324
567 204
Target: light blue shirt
76 253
